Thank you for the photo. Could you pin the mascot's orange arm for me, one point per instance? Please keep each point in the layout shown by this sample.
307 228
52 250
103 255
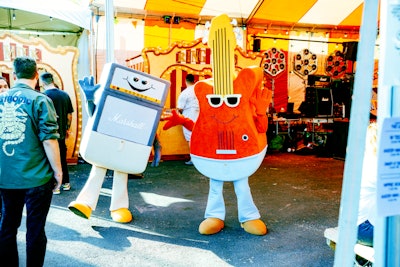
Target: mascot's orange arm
261 122
178 119
261 102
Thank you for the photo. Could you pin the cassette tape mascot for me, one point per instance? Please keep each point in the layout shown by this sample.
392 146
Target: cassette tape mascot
229 137
124 111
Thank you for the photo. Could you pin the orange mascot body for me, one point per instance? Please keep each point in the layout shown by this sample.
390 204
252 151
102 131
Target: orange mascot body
228 140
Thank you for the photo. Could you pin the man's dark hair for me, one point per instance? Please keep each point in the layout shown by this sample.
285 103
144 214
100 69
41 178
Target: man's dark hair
47 78
25 67
190 78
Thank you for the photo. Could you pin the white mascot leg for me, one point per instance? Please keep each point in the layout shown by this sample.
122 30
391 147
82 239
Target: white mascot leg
87 199
119 198
247 210
249 216
215 210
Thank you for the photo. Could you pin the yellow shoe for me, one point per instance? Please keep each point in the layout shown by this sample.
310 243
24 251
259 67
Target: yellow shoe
122 215
211 226
255 227
80 209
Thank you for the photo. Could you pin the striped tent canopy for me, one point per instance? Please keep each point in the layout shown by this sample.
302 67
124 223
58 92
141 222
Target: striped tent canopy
64 16
315 15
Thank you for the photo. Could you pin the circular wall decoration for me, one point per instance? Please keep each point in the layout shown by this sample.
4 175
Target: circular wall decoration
274 61
336 65
305 63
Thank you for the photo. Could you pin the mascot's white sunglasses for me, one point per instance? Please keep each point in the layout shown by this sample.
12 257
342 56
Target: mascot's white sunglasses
231 100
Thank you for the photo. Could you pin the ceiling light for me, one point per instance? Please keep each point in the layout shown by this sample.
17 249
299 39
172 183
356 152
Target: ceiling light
167 19
177 20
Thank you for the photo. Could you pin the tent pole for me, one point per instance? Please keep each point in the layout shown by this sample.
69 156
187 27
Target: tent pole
359 121
109 13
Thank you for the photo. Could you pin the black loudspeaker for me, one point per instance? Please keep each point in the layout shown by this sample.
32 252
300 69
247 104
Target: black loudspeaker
318 102
256 45
316 80
350 50
339 139
342 92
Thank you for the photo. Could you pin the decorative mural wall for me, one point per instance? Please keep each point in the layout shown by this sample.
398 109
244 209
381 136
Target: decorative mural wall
61 62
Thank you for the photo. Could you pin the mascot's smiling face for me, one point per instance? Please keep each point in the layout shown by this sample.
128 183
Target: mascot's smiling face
226 106
139 83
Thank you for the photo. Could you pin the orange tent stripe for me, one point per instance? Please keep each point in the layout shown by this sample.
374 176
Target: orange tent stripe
289 11
354 18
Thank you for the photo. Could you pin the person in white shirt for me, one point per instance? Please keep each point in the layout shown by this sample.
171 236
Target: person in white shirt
188 105
367 211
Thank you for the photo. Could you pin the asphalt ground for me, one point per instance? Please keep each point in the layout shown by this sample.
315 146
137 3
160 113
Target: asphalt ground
298 197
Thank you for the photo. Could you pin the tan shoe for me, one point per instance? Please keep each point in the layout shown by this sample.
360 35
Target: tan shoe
80 209
211 226
122 215
255 227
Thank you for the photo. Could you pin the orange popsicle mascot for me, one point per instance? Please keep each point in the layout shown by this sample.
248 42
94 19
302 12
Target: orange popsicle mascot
228 140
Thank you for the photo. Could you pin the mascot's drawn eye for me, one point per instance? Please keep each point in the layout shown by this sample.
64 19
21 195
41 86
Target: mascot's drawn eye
232 100
214 101
144 82
245 137
135 79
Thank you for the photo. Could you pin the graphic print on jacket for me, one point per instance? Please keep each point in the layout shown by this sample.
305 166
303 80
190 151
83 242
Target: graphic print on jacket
12 123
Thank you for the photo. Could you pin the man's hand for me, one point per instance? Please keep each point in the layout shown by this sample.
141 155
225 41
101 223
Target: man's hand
88 87
52 151
58 177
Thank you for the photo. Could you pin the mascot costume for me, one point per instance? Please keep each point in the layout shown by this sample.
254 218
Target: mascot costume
124 110
228 140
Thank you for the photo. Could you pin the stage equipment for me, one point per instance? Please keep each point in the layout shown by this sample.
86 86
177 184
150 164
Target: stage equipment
350 50
318 102
256 45
305 63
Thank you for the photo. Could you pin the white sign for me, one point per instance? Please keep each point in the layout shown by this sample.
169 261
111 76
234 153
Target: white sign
388 184
127 120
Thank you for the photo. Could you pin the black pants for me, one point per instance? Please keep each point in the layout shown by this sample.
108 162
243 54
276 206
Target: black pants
37 201
63 156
